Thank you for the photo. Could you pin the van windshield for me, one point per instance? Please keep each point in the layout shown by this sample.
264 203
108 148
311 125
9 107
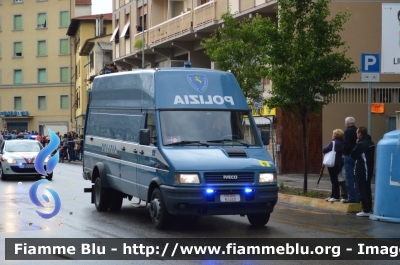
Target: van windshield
183 127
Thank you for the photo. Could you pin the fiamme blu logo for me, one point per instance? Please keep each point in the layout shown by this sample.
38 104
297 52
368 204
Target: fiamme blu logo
45 169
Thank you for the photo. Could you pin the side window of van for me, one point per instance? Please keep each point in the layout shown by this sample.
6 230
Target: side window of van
115 126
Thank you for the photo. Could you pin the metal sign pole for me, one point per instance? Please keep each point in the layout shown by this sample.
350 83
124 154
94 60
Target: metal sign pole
369 108
271 129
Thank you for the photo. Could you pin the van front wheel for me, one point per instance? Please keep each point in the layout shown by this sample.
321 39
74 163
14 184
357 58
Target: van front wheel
258 219
158 211
101 196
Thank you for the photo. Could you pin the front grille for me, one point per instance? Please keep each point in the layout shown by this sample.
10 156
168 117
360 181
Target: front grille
17 169
218 177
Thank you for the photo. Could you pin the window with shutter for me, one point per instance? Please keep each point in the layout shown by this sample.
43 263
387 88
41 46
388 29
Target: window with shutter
17 22
41 22
17 103
64 19
64 102
64 75
42 51
42 75
64 46
17 49
42 102
18 76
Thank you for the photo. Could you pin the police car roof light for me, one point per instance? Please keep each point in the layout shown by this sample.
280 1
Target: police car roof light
187 64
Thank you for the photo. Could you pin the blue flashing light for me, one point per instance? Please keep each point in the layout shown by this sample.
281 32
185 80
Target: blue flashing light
187 64
247 190
210 191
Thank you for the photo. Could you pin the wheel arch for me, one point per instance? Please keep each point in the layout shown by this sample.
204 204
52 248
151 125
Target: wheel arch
155 183
99 170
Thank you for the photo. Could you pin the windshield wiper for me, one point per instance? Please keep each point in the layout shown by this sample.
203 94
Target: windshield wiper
227 140
187 142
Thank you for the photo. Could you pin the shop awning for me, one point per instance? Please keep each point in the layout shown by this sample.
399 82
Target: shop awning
114 34
125 30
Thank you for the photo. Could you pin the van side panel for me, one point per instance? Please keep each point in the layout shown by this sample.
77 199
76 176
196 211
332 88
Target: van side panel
112 138
123 90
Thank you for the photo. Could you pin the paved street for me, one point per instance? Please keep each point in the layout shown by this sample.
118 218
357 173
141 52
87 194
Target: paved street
79 218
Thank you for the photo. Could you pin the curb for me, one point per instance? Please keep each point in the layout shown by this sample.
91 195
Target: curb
320 203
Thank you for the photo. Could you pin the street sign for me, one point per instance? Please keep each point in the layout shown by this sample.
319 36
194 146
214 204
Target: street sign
258 105
370 67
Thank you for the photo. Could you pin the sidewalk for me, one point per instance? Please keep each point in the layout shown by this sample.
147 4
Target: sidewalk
296 180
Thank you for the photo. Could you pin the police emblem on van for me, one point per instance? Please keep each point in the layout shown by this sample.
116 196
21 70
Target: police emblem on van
198 82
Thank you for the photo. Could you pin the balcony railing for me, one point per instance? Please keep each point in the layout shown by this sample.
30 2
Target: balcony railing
187 21
203 14
170 28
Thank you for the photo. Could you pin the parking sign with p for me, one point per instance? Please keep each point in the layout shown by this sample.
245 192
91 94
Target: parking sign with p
370 67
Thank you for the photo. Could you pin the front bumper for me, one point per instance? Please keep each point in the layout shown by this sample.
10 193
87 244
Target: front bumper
15 170
195 201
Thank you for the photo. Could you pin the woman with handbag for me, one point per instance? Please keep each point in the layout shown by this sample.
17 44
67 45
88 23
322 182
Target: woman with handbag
334 150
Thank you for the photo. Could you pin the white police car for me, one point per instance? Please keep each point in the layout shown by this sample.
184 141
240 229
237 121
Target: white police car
17 158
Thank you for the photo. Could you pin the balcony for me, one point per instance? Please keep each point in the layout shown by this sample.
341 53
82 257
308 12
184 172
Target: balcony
202 20
170 28
204 14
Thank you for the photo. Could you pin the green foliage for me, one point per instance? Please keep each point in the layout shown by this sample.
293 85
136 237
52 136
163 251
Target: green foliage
307 57
307 60
304 57
239 47
282 185
138 44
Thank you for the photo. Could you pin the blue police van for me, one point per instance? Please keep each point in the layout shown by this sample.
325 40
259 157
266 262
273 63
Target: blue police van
183 140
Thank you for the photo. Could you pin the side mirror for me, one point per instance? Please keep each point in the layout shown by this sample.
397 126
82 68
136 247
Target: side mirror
144 137
265 137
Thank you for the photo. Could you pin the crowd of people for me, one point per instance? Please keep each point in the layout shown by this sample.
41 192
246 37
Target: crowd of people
355 152
70 147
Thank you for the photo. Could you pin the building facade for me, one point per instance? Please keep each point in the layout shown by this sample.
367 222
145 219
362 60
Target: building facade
82 30
173 30
35 65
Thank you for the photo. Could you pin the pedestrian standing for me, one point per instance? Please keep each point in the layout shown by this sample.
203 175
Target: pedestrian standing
337 138
364 153
350 139
71 144
77 146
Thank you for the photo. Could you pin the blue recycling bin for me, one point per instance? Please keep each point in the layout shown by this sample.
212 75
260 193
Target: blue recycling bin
387 179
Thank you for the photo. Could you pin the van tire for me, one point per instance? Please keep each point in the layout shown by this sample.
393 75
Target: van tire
101 196
115 201
258 219
158 212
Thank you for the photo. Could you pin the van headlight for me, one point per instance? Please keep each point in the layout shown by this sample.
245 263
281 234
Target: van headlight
267 178
186 179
